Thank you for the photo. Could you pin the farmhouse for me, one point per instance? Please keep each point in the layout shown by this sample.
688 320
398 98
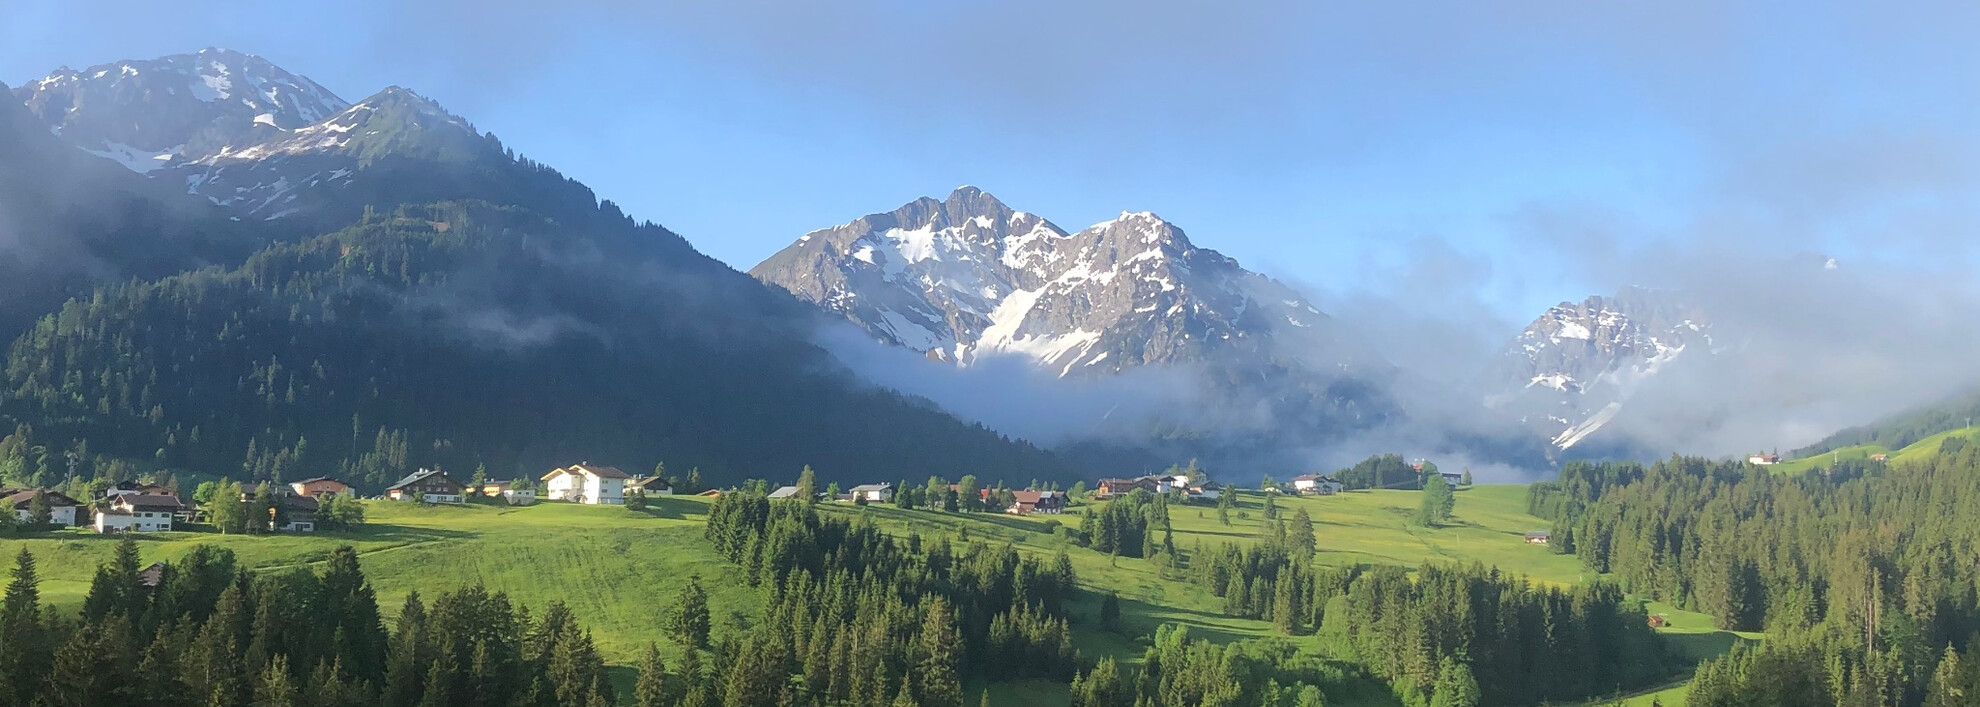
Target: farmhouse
61 508
1317 484
1028 502
138 513
428 486
587 483
1538 537
295 512
1452 479
129 487
508 491
880 493
650 485
321 486
1206 491
784 492
1763 459
1115 487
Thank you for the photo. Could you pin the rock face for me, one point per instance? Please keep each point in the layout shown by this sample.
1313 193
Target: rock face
1571 371
151 114
969 277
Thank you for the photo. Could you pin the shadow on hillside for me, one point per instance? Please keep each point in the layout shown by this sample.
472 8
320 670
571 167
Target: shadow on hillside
398 534
1697 647
1139 620
664 511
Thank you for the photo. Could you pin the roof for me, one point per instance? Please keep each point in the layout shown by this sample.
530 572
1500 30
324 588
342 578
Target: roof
150 502
1308 477
21 498
652 482
1033 497
152 576
322 479
603 472
785 492
422 475
882 486
1118 482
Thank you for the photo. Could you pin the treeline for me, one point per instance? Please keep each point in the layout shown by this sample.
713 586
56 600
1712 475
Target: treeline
1179 672
202 632
370 352
1491 638
1127 526
1866 577
857 617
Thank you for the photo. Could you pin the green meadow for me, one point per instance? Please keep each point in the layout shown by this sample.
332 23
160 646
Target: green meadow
620 569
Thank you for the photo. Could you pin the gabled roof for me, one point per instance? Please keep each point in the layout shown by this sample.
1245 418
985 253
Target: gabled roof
1308 477
151 577
882 486
149 502
652 482
1034 497
785 492
422 475
322 479
21 498
603 472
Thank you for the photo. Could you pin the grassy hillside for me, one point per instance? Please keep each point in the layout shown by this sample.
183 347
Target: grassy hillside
1922 448
618 568
612 566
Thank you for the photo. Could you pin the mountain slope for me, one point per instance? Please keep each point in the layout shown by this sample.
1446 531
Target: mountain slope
466 334
1572 370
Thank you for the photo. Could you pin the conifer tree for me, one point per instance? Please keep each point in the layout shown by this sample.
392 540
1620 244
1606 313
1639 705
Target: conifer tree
941 683
651 690
1455 685
1302 534
688 623
807 485
24 650
275 689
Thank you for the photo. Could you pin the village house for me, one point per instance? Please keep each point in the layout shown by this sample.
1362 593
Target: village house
873 493
61 508
1452 479
650 485
1109 488
138 513
128 486
783 492
1025 503
428 486
1880 457
1317 484
1538 537
588 484
297 511
1763 459
509 491
1206 491
320 487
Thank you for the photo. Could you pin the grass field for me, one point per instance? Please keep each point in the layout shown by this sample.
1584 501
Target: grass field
618 569
1923 448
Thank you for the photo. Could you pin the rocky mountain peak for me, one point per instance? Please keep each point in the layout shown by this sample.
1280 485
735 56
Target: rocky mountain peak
1571 370
192 106
968 277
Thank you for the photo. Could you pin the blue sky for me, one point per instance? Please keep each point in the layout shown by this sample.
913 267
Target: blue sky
1476 160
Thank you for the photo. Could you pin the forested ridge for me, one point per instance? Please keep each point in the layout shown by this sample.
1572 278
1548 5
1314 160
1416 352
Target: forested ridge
1865 577
461 335
203 632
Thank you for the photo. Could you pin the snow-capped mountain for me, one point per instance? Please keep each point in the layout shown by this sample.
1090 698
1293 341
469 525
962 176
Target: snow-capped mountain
1571 371
270 145
968 277
147 115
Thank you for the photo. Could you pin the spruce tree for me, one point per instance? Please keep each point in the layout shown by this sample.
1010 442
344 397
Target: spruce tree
941 648
807 485
688 623
651 690
1456 687
24 651
1302 534
275 689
